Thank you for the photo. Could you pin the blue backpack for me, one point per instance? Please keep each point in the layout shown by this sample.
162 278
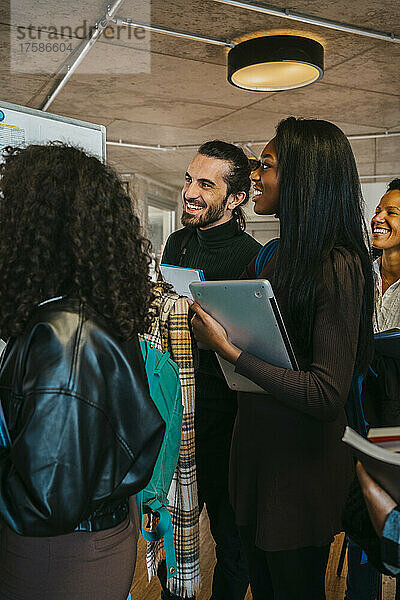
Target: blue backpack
265 255
165 391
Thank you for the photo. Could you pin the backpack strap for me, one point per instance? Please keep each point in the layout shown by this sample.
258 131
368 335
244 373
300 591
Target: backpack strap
265 255
354 406
163 530
184 242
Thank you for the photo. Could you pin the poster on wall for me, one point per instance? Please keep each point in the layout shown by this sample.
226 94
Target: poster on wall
20 126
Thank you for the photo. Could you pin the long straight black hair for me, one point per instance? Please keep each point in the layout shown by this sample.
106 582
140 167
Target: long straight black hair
320 209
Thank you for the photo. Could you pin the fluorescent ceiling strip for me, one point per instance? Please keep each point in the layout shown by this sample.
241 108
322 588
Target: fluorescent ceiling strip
286 13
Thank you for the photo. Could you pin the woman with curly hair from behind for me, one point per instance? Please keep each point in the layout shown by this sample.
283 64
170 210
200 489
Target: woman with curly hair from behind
84 432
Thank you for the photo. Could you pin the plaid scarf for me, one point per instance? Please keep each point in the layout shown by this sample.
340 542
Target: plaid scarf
170 332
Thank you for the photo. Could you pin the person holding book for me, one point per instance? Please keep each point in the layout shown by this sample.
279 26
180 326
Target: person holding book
363 579
289 471
385 227
385 517
84 432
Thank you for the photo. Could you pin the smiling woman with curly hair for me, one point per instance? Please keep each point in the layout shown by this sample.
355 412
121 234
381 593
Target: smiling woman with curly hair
84 432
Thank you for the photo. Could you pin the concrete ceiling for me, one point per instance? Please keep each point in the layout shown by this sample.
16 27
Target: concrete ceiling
166 90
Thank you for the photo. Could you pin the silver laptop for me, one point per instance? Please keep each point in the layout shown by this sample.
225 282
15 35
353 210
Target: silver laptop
248 311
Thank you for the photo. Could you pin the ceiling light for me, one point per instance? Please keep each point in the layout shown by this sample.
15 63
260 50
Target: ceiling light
275 63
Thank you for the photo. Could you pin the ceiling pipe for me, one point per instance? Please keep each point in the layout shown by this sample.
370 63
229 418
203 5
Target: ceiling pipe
388 177
151 146
139 146
374 136
164 148
286 13
360 136
249 150
87 45
175 33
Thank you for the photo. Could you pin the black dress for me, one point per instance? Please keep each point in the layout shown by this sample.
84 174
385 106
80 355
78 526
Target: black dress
290 472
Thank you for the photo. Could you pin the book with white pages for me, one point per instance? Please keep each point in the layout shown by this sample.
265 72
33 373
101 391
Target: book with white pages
248 311
180 278
385 437
382 464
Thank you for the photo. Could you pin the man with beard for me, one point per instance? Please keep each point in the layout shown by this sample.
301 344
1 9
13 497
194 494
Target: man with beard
213 239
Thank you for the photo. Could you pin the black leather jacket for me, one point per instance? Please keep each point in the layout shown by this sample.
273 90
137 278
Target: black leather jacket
85 433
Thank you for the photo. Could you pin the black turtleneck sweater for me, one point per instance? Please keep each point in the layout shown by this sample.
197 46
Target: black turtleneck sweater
222 252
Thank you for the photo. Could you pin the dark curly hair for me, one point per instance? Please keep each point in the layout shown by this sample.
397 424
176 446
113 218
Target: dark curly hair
67 225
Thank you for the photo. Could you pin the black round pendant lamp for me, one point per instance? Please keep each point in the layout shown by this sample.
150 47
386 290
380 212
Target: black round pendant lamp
274 63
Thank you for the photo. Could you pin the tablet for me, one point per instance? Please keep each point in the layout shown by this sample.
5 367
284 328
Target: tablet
248 311
180 277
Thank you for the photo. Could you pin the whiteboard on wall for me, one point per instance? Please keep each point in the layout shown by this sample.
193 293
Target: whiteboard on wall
20 126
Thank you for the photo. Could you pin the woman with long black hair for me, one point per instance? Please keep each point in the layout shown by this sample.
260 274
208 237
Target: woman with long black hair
84 432
290 473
